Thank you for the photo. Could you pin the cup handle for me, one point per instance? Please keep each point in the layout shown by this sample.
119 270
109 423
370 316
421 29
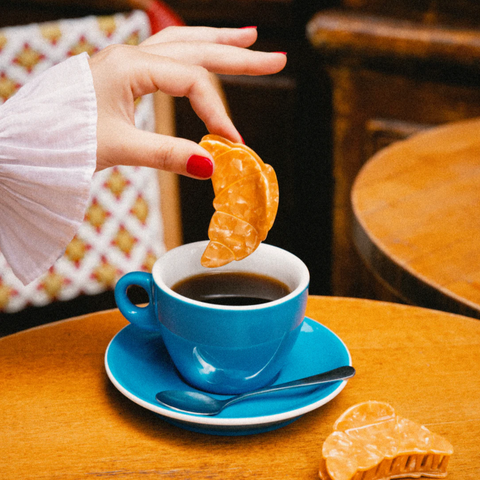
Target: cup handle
143 317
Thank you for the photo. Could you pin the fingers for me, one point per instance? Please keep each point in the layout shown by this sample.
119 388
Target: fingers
187 75
222 59
220 50
239 37
178 62
163 152
209 107
150 73
144 73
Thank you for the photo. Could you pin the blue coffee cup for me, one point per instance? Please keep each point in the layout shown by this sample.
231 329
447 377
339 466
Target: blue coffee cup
221 348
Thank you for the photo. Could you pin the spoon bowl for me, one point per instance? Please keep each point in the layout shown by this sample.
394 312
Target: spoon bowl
203 404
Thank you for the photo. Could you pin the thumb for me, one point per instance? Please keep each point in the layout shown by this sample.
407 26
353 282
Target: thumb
140 148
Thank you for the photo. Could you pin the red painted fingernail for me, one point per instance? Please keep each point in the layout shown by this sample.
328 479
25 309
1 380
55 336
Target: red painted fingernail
283 53
243 141
199 166
242 28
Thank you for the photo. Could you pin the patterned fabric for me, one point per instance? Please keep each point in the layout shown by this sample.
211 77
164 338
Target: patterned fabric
122 230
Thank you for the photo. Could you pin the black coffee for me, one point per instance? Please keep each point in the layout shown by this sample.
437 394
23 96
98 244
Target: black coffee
231 288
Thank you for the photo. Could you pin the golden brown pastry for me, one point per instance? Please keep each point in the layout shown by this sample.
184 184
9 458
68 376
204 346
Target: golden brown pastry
371 442
246 201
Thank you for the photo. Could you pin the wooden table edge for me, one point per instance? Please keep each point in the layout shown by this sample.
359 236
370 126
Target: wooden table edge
408 286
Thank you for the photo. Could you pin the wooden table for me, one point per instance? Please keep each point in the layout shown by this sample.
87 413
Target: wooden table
61 418
416 207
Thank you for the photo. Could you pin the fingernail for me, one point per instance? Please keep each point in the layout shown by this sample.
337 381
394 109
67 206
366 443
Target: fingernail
242 28
243 141
199 166
283 53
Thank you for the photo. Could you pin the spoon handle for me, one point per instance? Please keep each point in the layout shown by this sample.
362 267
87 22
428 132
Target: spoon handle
341 373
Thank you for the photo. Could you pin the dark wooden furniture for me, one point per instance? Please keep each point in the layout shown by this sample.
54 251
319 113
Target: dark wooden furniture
416 217
62 418
396 68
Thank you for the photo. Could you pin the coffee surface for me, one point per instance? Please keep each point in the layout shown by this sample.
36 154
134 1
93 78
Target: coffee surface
232 288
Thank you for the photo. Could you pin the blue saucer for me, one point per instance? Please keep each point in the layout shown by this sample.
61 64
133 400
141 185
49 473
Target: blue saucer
139 366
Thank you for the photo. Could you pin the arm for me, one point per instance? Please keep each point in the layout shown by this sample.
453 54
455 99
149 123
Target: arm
72 120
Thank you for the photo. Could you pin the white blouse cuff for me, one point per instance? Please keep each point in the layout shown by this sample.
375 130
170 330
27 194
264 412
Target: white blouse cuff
47 158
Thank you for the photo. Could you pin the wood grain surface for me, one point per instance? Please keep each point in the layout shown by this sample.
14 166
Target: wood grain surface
417 219
60 417
381 36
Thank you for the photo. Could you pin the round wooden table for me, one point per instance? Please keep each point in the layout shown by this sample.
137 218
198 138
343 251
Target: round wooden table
416 214
61 418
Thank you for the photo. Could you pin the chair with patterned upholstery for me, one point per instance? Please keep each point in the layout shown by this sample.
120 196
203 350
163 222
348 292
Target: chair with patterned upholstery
125 224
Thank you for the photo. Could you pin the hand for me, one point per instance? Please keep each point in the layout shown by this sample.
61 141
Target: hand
176 61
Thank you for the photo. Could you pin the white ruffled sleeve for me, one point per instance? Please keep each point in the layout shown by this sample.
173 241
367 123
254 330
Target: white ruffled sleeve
47 159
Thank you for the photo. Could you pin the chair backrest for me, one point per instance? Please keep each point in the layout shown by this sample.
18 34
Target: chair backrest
124 226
